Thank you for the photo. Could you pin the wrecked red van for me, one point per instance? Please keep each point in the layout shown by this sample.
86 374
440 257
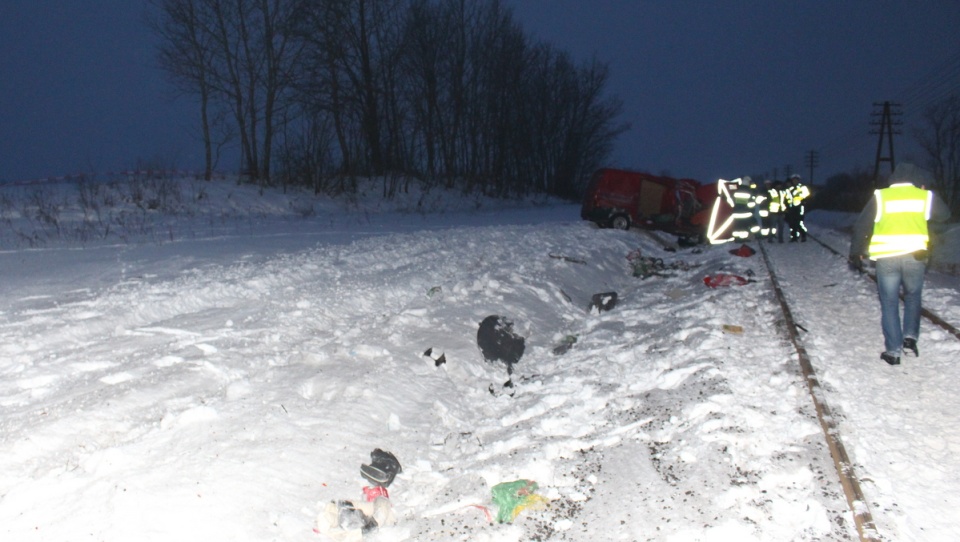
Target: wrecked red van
620 199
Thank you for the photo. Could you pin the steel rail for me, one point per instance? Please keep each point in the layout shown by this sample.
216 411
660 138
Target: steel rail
848 478
926 313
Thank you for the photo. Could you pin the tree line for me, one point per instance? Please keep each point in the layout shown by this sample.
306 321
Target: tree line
321 92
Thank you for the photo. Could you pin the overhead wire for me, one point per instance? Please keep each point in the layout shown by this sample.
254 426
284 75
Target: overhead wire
938 84
939 80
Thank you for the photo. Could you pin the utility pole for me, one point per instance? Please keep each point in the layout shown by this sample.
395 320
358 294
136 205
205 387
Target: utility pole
812 161
886 124
787 171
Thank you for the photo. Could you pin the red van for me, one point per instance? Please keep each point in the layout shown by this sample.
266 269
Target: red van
618 198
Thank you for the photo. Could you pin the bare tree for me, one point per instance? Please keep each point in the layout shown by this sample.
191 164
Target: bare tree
351 73
440 69
591 130
239 53
488 107
321 87
941 140
185 54
257 56
392 88
306 155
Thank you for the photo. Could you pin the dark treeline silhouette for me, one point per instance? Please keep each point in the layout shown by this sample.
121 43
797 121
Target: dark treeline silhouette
940 138
320 92
847 192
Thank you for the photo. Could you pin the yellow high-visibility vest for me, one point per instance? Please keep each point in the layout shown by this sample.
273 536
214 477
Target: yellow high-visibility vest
775 200
796 194
900 226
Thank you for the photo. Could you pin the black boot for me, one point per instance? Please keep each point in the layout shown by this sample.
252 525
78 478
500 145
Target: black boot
890 358
382 469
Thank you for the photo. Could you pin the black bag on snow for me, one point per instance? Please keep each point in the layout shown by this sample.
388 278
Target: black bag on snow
498 342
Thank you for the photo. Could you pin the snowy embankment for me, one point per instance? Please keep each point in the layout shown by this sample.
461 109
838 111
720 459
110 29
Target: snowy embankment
227 386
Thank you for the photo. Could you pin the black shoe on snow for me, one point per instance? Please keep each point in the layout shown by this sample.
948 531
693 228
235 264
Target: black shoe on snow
910 346
890 358
382 469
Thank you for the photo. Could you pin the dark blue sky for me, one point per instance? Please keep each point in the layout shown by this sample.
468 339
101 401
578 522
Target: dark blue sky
712 89
728 88
80 92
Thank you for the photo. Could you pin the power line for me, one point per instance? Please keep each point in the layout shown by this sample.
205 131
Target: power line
812 160
886 130
938 84
938 77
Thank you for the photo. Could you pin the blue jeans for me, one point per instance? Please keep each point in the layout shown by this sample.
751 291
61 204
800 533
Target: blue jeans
892 274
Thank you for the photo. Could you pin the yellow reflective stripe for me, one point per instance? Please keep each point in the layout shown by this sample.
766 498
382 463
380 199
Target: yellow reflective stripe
724 192
901 238
892 245
715 232
904 206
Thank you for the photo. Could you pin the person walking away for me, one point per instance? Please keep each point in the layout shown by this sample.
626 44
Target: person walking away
797 192
893 231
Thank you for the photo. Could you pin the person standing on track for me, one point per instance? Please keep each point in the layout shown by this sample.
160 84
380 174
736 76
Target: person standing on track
796 192
892 230
774 219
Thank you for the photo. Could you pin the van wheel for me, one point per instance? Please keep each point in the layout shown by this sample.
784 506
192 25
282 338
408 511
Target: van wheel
620 222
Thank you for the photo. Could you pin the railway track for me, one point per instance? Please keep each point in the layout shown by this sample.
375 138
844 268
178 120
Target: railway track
926 313
856 500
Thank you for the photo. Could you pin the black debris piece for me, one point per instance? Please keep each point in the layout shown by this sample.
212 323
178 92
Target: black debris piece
498 342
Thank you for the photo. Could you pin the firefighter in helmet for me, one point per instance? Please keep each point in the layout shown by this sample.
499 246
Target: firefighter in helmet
744 209
796 193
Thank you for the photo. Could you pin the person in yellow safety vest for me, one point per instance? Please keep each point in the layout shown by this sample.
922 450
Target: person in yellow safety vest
744 220
770 210
796 192
892 230
775 208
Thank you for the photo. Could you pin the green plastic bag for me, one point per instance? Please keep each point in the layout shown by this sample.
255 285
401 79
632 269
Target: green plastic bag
512 498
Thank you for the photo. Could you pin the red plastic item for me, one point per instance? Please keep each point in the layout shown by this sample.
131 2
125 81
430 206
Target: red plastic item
371 493
724 279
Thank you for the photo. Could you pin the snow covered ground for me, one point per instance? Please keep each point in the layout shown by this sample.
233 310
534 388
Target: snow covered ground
223 374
